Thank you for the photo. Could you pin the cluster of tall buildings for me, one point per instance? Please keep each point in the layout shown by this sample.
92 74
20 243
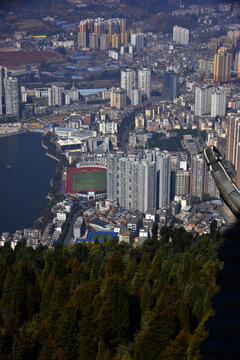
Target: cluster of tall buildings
138 87
181 35
103 34
9 94
209 100
139 183
57 96
151 180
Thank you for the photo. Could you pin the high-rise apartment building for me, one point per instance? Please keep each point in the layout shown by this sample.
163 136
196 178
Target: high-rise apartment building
222 65
83 39
181 35
99 26
11 96
233 143
144 81
206 66
116 41
137 40
55 96
86 25
93 40
218 103
203 98
3 75
182 181
136 97
170 88
197 175
123 25
163 175
118 98
136 184
124 38
113 27
104 42
128 81
113 174
210 186
238 63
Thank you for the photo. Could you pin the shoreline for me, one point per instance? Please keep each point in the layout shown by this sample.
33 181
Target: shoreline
19 132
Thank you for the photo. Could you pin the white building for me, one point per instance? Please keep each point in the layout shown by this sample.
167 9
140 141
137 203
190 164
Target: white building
61 215
128 81
55 96
136 97
108 127
203 97
181 35
144 81
137 40
66 44
219 102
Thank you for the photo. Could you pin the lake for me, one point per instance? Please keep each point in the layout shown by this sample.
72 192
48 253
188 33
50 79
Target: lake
23 187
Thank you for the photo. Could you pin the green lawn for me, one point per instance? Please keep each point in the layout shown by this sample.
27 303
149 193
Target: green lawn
89 181
106 236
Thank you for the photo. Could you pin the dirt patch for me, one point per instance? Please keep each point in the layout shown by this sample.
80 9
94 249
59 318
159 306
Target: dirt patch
17 60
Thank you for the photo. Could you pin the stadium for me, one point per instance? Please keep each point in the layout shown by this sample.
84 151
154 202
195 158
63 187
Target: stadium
87 180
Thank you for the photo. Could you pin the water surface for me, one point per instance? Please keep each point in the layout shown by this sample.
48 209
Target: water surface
23 188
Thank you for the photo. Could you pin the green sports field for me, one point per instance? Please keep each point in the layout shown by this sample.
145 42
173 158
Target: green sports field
89 181
101 236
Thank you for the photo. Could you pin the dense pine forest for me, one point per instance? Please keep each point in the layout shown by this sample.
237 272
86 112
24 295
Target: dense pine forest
108 301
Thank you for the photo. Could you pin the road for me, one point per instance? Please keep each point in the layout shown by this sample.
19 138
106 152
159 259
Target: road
128 122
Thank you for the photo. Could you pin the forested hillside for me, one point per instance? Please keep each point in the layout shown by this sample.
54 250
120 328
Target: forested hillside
108 301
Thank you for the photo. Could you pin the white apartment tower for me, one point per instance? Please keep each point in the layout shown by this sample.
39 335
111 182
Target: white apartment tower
128 81
55 96
137 40
219 102
144 81
181 35
11 96
203 97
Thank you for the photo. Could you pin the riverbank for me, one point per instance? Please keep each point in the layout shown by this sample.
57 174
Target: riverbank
18 132
48 154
